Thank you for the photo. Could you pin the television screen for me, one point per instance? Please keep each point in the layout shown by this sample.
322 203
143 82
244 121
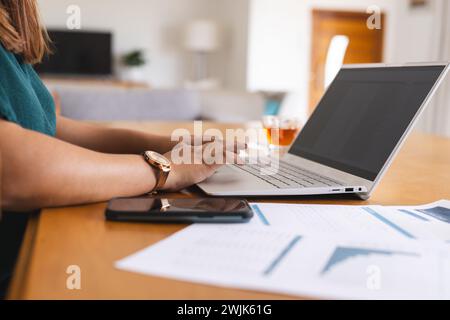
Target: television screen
78 53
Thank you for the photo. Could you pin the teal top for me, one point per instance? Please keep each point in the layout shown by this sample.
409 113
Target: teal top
24 99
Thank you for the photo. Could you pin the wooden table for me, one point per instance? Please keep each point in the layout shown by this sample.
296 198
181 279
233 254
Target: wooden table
80 236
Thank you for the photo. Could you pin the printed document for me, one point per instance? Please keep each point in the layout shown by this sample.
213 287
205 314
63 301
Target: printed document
363 252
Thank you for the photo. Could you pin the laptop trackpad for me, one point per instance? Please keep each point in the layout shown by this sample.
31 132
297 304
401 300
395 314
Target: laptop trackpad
230 178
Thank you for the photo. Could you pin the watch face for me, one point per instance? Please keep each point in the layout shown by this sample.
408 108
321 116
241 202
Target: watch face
158 158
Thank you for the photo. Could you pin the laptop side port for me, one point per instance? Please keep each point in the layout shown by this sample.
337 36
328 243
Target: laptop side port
349 189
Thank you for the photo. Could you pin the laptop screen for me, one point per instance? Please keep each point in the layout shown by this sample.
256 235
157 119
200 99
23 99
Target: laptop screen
362 117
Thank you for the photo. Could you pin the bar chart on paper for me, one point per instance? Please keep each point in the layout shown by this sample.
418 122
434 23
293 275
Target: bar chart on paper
216 252
325 251
388 273
343 255
438 212
426 222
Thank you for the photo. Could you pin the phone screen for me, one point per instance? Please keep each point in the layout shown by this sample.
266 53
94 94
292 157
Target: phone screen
179 206
168 210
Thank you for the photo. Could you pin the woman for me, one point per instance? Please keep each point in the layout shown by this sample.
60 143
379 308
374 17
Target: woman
50 160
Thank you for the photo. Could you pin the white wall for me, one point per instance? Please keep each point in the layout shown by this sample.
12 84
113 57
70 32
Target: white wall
436 119
277 32
267 43
156 26
232 62
280 39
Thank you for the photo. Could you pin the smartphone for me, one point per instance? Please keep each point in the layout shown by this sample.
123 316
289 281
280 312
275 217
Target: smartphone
178 210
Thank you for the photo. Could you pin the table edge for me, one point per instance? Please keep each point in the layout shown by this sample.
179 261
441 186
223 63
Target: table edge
17 288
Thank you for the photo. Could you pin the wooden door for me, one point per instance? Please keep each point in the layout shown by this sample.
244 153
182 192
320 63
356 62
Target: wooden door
365 45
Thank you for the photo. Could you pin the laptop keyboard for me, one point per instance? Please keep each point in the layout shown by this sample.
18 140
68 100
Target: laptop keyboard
288 176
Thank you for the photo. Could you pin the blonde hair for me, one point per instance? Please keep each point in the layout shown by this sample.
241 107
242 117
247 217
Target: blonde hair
21 30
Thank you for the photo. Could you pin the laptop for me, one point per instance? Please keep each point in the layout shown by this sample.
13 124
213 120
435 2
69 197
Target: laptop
349 141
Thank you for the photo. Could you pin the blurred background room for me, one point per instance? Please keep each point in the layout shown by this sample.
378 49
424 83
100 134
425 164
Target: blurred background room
230 60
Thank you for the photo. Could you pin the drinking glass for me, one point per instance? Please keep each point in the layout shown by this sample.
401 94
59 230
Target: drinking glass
281 131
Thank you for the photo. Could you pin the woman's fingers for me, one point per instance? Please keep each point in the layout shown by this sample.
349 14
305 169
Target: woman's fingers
235 145
193 164
214 153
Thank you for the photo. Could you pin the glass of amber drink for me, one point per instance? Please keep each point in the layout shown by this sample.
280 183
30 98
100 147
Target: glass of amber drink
281 131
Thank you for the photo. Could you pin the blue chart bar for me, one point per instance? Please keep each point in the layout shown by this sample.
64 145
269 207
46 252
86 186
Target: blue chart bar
389 223
283 254
439 213
341 254
415 215
261 216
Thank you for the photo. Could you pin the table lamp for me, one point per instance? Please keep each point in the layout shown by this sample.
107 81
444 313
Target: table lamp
202 37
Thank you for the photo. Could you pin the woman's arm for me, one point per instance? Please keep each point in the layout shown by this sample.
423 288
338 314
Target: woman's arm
39 171
110 140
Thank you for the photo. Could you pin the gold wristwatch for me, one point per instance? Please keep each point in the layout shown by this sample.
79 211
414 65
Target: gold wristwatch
161 165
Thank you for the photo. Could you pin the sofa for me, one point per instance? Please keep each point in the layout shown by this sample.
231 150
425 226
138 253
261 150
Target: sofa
108 103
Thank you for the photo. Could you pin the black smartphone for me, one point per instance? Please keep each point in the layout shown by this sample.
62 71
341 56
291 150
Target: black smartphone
179 210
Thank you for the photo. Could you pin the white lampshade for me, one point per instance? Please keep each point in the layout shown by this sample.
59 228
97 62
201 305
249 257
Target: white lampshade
202 36
335 57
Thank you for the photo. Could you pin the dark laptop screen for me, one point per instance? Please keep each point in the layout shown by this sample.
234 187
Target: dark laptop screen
362 117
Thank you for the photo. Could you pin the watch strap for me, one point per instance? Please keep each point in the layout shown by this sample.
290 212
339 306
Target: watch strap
160 174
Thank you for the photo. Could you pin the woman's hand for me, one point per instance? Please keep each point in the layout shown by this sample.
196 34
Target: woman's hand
193 164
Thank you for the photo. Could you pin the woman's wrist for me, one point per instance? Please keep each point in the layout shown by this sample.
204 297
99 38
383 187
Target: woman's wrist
161 167
147 175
